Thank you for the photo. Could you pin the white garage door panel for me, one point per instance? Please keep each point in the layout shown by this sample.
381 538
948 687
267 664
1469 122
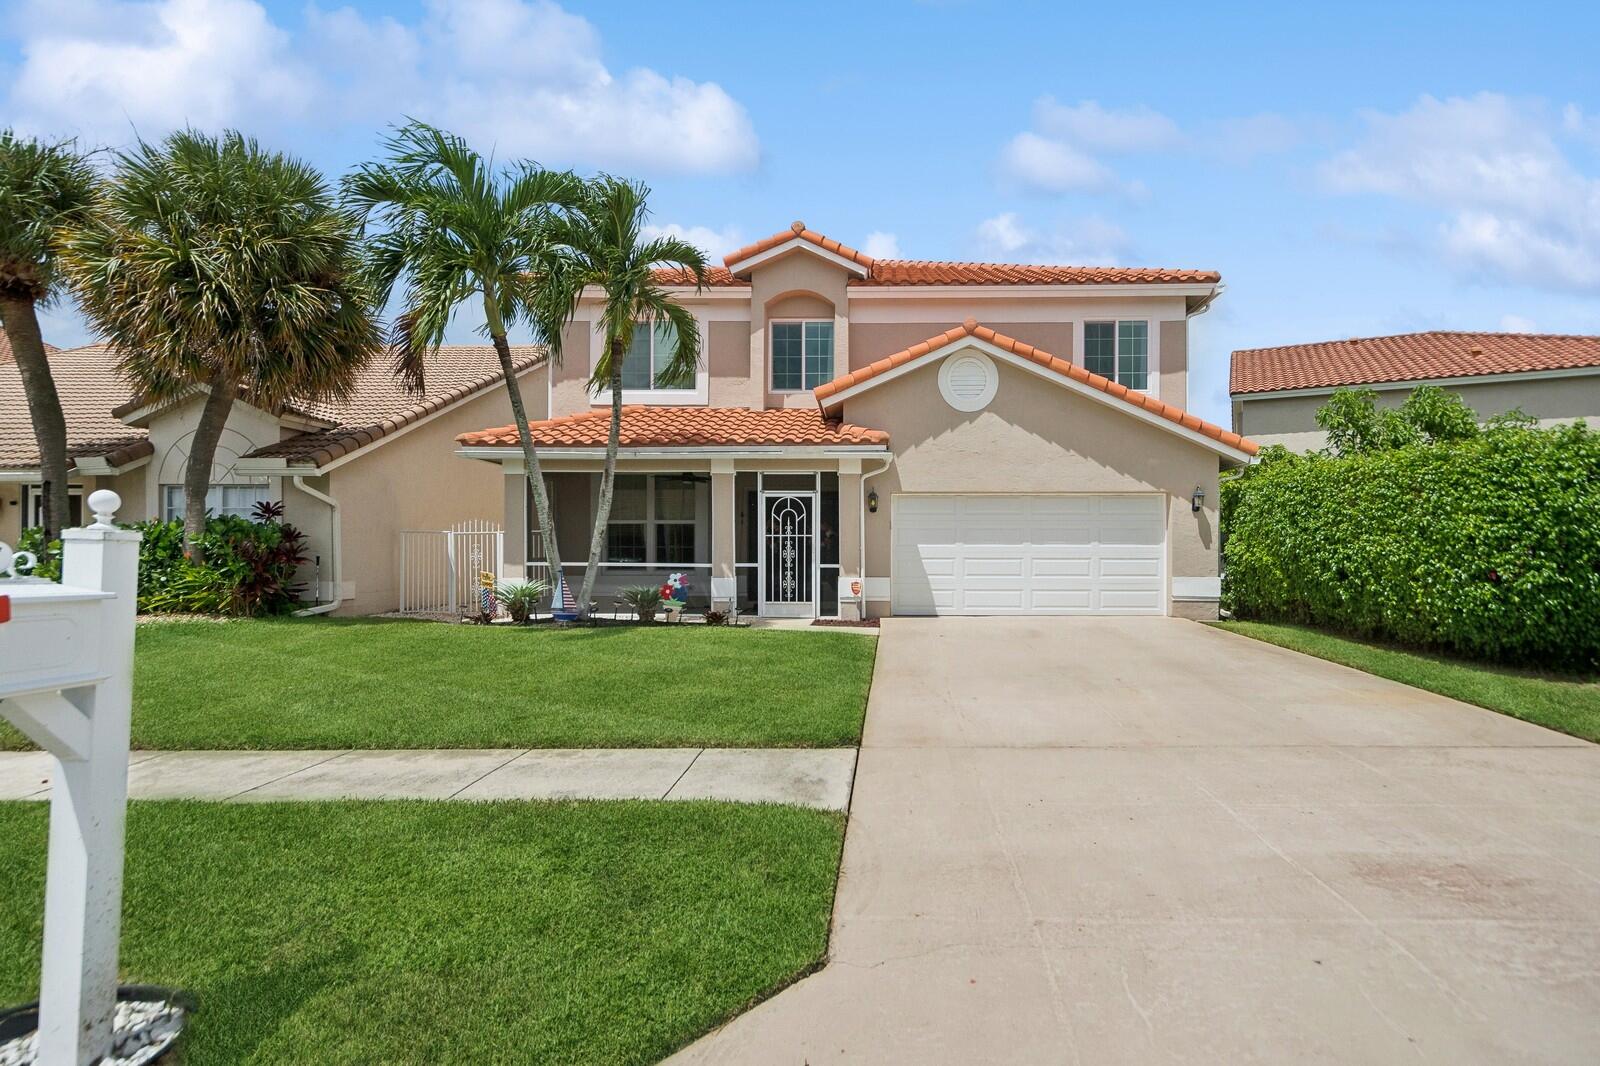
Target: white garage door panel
1029 554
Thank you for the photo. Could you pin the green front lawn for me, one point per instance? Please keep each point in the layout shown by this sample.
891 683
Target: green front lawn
1565 703
319 683
450 932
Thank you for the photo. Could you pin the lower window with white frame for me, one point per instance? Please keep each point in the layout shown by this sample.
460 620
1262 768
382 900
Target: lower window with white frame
236 500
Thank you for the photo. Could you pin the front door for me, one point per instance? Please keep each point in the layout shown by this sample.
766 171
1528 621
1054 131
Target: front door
788 554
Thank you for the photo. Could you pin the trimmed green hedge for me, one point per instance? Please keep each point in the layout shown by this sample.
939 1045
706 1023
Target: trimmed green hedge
1488 547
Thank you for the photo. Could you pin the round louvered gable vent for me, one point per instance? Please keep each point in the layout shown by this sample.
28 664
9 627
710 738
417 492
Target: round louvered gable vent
967 380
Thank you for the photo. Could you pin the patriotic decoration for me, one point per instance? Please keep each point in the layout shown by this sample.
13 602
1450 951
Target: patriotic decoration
676 590
486 592
568 609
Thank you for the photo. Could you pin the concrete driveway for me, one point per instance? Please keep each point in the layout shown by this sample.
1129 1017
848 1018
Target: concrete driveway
1134 841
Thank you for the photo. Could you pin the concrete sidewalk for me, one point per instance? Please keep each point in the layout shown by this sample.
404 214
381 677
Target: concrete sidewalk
818 778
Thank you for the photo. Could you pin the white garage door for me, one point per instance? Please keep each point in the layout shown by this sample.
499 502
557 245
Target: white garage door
1029 555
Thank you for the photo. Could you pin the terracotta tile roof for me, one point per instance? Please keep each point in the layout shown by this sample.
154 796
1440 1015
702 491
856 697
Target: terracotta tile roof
971 328
933 272
922 272
679 427
89 386
5 347
798 229
1406 357
380 404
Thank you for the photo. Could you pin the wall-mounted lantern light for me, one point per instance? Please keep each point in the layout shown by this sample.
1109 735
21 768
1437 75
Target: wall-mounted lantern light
872 501
1197 500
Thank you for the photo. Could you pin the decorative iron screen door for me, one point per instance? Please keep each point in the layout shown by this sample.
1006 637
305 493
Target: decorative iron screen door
788 554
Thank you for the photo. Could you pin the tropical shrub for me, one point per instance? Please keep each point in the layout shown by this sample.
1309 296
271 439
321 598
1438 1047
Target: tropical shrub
46 554
521 598
645 601
1487 545
248 569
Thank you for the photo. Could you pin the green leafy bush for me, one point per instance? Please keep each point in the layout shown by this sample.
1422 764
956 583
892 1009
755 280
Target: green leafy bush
47 556
521 598
249 566
645 600
1487 546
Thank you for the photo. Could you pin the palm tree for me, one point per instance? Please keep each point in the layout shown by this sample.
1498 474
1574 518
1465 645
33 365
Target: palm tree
217 265
44 188
457 229
601 244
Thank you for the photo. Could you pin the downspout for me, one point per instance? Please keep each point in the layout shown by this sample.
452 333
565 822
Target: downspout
338 576
861 537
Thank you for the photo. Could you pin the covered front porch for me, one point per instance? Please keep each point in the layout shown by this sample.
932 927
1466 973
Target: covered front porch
768 537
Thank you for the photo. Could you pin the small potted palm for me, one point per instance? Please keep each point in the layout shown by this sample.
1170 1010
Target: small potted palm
644 600
521 598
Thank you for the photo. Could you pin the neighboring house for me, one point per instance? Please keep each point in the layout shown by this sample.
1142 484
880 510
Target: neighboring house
894 437
5 347
102 450
1277 391
351 474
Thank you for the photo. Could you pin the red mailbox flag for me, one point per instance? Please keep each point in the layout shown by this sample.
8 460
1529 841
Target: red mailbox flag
5 608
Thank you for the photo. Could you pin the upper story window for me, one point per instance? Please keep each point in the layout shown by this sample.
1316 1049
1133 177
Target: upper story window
802 355
649 356
1119 351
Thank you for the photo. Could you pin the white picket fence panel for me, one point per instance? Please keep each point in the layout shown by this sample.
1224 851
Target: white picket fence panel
439 568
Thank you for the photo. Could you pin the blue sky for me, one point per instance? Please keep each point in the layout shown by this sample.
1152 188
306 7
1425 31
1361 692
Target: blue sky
1351 169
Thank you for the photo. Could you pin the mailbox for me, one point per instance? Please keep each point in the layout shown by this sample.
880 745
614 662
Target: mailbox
54 638
66 682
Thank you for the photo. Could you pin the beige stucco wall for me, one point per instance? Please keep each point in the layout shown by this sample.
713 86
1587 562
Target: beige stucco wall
413 480
734 381
1034 437
1292 422
1173 363
565 390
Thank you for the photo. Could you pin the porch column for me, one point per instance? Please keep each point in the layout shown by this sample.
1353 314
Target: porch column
850 605
724 577
513 565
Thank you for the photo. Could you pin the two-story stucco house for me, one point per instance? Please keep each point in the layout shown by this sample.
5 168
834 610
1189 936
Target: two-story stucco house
873 437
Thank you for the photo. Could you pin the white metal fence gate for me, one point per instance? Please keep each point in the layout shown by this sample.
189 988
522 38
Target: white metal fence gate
439 568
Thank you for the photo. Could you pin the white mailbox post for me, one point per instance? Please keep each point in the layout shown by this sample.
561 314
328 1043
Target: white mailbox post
66 681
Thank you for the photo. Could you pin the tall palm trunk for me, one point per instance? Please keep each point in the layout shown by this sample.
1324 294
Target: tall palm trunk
21 324
202 456
608 479
530 458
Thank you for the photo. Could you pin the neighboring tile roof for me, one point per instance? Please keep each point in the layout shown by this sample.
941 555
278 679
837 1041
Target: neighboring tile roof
971 328
5 347
380 404
672 427
934 272
798 229
1406 357
87 382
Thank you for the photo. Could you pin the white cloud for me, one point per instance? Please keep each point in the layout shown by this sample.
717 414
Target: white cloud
1062 152
716 243
1133 129
154 66
1517 324
881 245
1516 207
1042 165
524 77
1087 241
